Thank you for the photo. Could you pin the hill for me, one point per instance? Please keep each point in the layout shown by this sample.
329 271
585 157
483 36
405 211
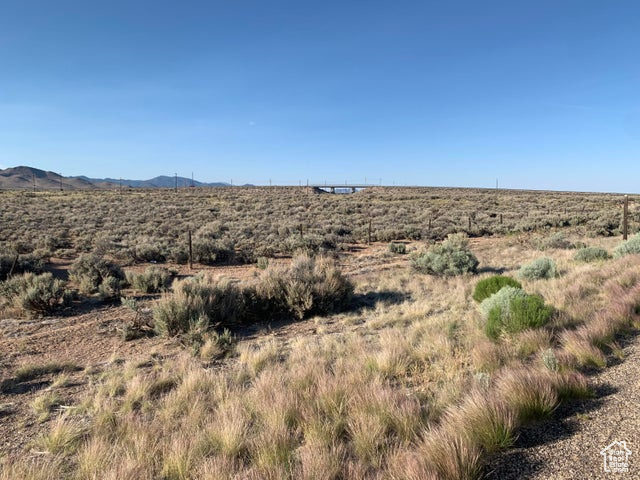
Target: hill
23 178
162 181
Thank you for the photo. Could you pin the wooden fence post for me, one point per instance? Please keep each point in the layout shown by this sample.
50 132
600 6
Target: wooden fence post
190 252
13 265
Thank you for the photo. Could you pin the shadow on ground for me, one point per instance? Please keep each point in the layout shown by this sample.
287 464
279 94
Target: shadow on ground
515 463
367 300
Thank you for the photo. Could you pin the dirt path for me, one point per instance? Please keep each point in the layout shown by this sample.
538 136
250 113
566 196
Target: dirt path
569 445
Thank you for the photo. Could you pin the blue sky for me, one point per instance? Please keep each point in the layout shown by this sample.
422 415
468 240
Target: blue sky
539 94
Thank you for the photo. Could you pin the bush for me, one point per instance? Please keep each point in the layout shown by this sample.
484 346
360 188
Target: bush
26 263
200 299
152 280
452 257
630 247
538 269
591 254
91 271
307 286
488 286
511 310
528 312
33 293
179 255
399 248
211 251
502 300
148 252
557 240
263 263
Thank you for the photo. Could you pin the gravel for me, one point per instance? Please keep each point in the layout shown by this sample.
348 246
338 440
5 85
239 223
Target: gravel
568 446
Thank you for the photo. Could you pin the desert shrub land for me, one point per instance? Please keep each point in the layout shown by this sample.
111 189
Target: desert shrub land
392 333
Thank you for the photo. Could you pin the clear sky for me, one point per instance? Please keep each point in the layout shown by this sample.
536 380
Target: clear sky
537 94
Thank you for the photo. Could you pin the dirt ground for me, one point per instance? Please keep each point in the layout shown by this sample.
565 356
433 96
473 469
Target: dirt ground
89 338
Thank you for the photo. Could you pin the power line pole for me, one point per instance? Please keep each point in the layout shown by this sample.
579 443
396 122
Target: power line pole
176 186
34 182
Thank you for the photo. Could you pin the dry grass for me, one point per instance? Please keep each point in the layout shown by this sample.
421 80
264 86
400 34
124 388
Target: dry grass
407 387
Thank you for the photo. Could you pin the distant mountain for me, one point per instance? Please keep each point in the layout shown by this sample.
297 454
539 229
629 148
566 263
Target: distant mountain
163 181
22 178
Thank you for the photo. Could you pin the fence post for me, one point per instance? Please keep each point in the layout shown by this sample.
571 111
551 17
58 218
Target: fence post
190 252
625 218
13 265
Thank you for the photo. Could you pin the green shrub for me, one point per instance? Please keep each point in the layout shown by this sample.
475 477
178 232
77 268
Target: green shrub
91 271
538 269
527 312
451 257
591 254
488 286
630 247
399 248
502 300
152 280
511 310
40 294
493 324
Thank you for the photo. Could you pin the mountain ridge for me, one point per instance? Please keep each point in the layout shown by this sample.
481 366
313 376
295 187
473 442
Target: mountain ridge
24 177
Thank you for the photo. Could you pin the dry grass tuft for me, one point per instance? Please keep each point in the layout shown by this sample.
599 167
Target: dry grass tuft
529 392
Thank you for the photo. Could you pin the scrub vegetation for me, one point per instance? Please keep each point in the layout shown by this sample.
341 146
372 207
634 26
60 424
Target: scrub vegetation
295 348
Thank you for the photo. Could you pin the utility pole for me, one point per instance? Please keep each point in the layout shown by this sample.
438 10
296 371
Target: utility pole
34 182
176 185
